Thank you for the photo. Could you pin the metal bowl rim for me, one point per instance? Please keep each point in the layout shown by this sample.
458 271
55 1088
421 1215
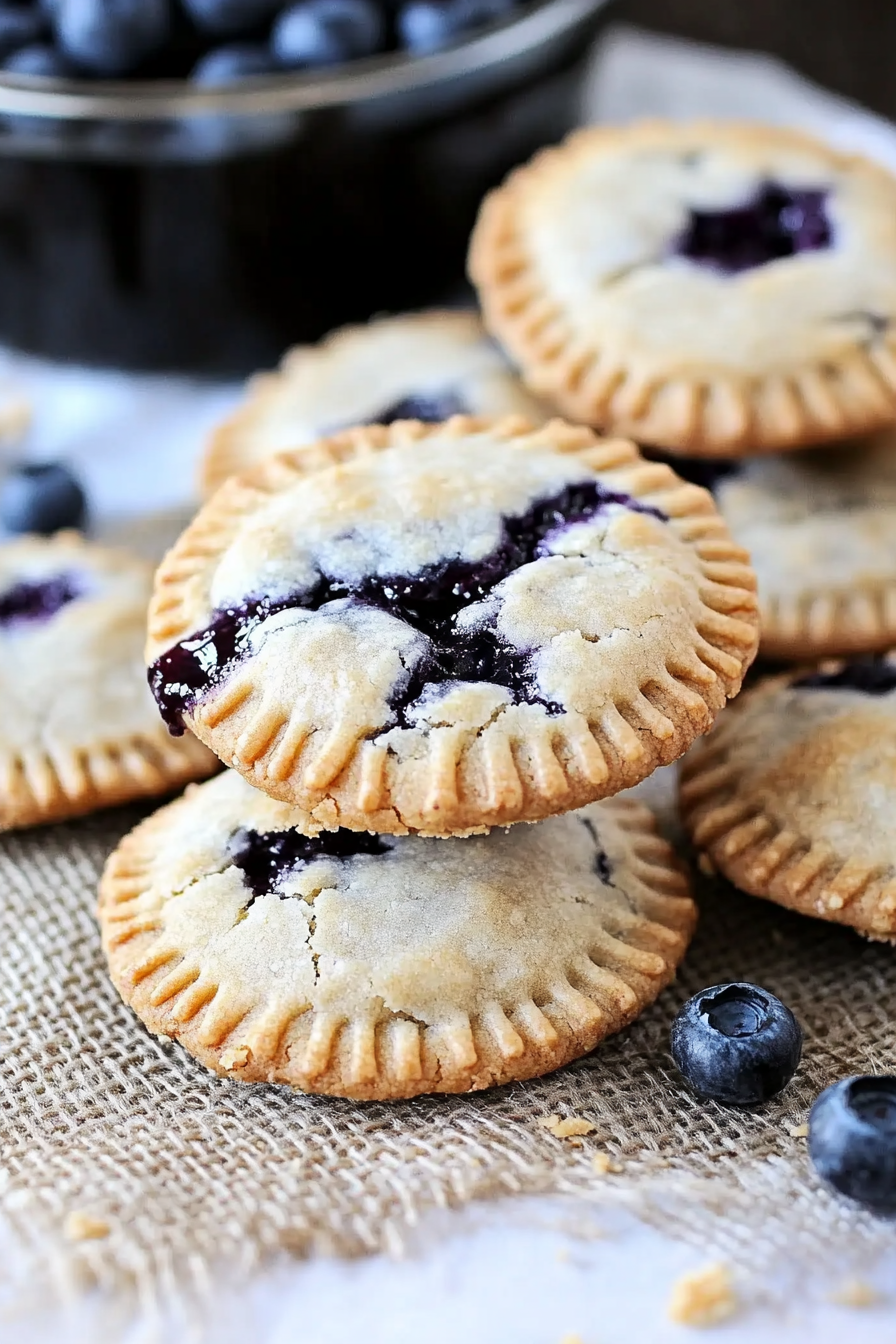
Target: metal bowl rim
362 81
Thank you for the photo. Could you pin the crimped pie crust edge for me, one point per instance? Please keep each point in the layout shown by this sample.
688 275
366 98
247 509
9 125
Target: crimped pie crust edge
378 1054
747 840
594 761
725 416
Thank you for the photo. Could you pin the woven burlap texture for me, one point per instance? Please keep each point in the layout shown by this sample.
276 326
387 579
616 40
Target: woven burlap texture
192 1173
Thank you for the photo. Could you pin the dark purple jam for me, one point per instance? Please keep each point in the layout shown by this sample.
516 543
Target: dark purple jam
30 602
778 222
428 601
428 406
875 675
266 858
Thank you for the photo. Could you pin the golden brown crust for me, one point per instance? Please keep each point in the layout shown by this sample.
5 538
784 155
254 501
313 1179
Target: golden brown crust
352 375
251 1012
512 769
783 797
822 624
820 526
708 405
78 728
42 786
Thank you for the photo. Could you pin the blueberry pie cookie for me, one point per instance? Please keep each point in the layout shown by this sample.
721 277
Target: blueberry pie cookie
78 728
792 795
421 366
820 526
454 626
710 288
382 967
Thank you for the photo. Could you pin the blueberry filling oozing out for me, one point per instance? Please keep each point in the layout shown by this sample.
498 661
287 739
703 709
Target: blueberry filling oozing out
875 675
267 858
778 222
31 602
429 601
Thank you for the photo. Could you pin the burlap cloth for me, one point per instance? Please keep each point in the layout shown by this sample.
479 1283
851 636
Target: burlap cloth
193 1174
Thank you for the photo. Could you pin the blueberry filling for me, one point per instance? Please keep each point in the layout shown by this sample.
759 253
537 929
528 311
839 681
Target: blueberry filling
875 675
428 406
30 602
266 858
778 222
428 601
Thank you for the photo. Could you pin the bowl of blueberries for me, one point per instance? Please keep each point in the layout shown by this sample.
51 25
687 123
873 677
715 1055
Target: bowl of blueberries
196 184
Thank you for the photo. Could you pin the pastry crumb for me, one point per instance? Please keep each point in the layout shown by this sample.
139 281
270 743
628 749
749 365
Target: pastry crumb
603 1163
80 1226
235 1058
855 1293
799 1131
570 1128
704 1297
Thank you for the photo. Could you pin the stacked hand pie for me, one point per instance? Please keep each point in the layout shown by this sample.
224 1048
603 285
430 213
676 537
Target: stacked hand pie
408 637
403 640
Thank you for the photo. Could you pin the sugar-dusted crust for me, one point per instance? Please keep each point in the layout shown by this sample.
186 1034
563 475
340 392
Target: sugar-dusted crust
820 526
569 257
442 966
78 727
643 639
353 376
792 797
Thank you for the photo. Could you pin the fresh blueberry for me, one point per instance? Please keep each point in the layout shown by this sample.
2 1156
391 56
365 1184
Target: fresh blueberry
852 1140
736 1044
20 25
41 497
429 25
230 16
38 60
111 37
227 65
327 32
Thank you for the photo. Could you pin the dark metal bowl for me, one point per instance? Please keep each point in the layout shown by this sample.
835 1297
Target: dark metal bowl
158 225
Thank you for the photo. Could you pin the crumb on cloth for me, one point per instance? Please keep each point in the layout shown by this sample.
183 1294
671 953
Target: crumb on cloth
569 1128
80 1226
703 1297
602 1164
855 1293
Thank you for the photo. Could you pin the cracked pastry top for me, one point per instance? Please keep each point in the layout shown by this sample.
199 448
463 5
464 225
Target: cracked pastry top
417 366
453 626
713 288
820 526
791 796
78 728
387 966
